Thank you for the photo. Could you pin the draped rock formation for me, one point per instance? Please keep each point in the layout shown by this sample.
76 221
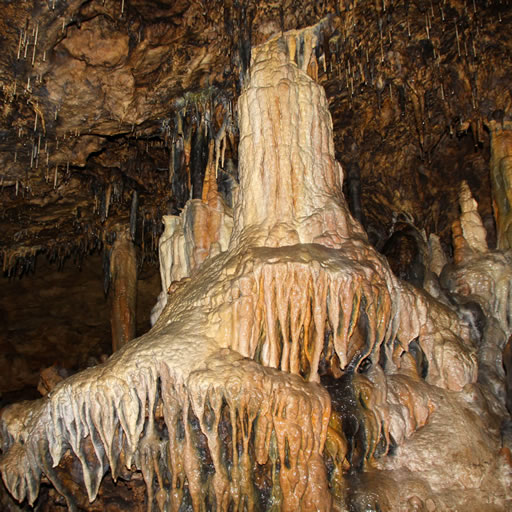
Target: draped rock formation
202 230
221 405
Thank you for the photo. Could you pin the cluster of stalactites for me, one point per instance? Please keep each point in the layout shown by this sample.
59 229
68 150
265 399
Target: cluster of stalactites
109 423
295 316
312 310
195 119
305 50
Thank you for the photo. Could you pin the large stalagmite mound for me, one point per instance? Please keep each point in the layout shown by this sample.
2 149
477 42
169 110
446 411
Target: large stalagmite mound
220 405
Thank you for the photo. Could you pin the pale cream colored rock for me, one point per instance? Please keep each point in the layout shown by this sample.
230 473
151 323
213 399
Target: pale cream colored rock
486 279
290 183
437 256
455 454
471 223
201 231
173 261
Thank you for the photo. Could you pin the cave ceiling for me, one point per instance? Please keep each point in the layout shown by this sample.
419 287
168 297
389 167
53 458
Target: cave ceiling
108 109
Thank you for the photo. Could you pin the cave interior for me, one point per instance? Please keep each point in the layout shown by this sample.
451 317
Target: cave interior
298 210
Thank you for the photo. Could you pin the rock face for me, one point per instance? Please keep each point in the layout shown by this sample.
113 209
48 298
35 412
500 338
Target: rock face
220 405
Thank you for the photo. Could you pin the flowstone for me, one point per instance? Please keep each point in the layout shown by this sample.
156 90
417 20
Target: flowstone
221 405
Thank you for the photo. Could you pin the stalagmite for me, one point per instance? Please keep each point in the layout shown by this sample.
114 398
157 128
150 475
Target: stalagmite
501 179
220 405
437 257
123 288
201 231
173 260
470 221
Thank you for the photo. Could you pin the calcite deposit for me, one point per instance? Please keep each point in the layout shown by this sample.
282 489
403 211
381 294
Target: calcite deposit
501 174
202 230
289 368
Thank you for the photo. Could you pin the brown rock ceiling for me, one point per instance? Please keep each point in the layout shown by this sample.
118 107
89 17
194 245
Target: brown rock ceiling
94 94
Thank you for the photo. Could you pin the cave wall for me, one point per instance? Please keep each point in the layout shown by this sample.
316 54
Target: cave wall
102 100
59 316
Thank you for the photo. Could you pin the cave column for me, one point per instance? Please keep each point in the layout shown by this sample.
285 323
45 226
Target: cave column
290 183
501 179
123 288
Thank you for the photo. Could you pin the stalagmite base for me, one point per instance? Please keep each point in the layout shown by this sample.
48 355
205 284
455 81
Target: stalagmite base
219 405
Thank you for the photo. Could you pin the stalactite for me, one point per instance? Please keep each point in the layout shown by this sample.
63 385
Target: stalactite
244 41
106 270
198 160
354 192
133 215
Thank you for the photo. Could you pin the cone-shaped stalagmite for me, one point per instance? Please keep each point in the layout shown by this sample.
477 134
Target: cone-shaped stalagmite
290 182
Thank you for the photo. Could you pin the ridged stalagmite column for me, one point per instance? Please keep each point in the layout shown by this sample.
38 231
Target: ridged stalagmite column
501 178
201 231
123 292
469 235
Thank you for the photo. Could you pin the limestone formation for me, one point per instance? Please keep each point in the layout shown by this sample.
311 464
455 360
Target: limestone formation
123 288
221 405
202 230
501 174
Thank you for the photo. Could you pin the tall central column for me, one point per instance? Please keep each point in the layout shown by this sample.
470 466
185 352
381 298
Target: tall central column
290 183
